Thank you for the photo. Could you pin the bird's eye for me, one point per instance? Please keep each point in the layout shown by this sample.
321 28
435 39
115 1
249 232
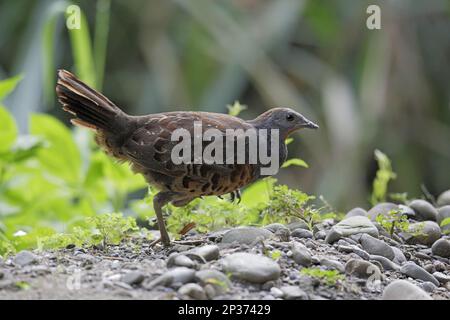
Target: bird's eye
290 117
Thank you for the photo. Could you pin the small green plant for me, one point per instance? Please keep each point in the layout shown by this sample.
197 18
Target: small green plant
394 222
286 204
236 108
329 277
382 178
444 223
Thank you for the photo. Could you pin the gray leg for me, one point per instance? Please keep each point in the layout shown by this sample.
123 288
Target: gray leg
159 201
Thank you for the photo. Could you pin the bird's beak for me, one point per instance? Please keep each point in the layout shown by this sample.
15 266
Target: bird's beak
305 123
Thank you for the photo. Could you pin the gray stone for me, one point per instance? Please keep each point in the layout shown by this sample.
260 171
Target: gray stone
276 293
361 268
351 226
428 286
220 282
381 208
246 235
274 227
404 290
251 267
193 291
180 275
424 210
441 248
297 225
208 252
302 233
407 211
301 255
376 246
356 212
441 277
24 258
293 293
444 199
332 264
320 235
133 278
426 233
180 260
399 256
385 262
414 271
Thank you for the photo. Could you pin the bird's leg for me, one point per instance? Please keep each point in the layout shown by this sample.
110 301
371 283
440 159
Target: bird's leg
159 201
236 194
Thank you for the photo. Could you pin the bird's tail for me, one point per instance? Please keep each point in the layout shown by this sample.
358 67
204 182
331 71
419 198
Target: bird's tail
90 108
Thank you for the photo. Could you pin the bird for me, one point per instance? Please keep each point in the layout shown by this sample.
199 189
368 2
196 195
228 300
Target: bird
145 143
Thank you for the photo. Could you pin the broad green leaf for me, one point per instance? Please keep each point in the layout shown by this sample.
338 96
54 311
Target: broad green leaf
61 157
258 192
8 85
295 162
8 130
445 222
288 140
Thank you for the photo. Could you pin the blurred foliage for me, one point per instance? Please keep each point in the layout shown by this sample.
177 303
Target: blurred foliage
383 176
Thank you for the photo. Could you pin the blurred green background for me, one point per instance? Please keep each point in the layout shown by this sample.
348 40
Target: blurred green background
382 89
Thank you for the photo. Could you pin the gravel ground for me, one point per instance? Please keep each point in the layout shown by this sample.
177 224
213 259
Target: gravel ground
242 263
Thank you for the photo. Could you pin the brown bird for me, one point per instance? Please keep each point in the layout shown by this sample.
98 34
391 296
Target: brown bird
145 142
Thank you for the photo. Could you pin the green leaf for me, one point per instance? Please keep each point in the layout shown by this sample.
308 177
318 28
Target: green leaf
8 129
288 140
295 162
236 108
61 157
8 85
445 222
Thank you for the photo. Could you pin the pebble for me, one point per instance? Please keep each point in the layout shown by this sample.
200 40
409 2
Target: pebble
193 291
179 275
24 258
332 264
180 260
385 262
246 235
425 233
215 279
320 235
428 286
351 226
381 208
424 210
208 252
275 292
251 267
293 293
399 256
133 278
302 233
274 227
356 212
297 225
441 277
376 247
444 199
414 271
404 290
301 255
444 213
362 269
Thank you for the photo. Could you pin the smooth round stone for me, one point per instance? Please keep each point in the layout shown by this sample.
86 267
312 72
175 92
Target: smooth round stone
381 208
414 271
444 199
428 286
376 246
424 210
301 255
275 292
274 227
180 260
24 258
215 278
441 277
351 226
179 275
208 252
193 291
293 293
361 268
399 256
443 213
404 290
426 233
385 262
133 278
407 211
246 235
320 235
302 233
332 264
356 212
251 267
441 248
297 225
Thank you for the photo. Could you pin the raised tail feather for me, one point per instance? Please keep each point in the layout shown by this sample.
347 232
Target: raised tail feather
90 108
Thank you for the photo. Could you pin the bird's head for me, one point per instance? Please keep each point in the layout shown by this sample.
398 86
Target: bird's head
284 119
